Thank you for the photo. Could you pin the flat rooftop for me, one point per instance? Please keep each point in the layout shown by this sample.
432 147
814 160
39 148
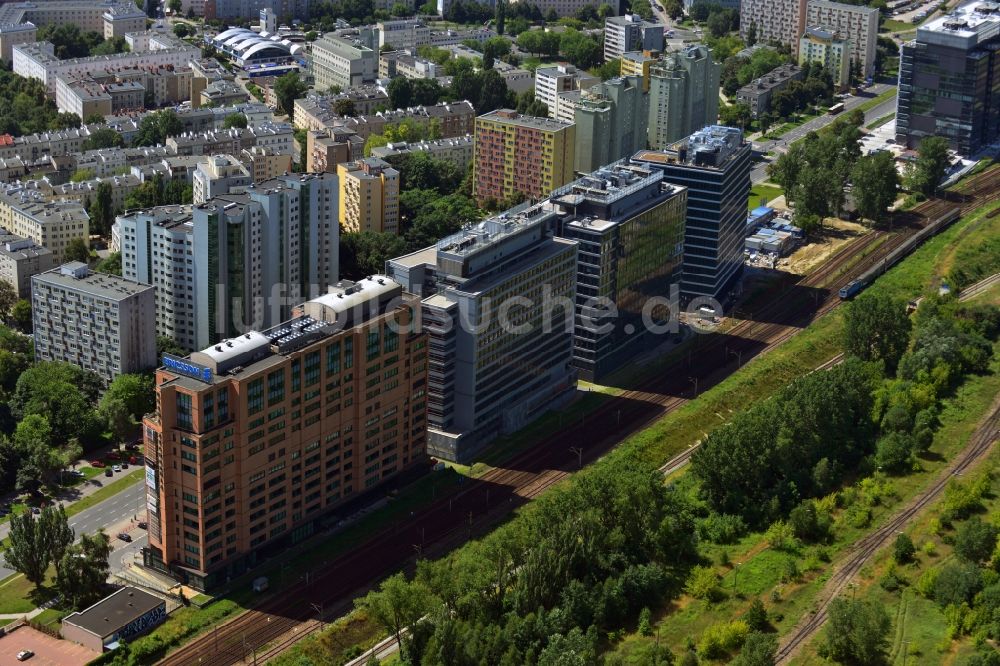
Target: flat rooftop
511 117
966 26
114 612
76 276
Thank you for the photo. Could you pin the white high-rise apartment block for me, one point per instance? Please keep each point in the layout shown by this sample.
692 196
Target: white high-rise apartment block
553 82
856 23
99 322
829 49
237 262
780 20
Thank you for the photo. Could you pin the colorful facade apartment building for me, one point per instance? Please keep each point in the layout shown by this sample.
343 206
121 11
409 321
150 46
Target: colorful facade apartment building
257 440
521 154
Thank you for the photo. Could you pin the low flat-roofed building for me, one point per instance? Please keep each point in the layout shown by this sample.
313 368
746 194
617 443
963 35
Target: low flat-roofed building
121 616
20 258
457 150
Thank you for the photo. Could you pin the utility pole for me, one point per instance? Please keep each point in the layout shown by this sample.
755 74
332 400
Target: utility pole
579 455
694 380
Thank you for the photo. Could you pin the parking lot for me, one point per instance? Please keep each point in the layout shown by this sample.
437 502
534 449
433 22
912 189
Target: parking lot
48 651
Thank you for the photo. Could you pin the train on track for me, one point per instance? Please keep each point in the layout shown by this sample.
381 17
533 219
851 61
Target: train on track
855 286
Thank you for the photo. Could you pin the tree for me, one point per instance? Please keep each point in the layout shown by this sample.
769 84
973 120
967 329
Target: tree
235 120
156 127
903 549
396 604
128 398
344 108
703 583
102 138
82 572
759 649
165 345
752 33
975 540
400 91
756 616
875 181
76 250
926 172
62 393
112 264
20 315
957 583
101 210
288 88
580 49
501 16
876 328
857 631
894 451
8 298
182 30
175 7
35 543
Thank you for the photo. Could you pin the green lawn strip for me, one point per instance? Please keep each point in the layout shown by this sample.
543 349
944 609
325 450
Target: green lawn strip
50 616
14 591
346 637
765 192
878 122
890 25
875 101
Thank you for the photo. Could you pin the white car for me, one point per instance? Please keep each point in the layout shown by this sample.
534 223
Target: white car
25 655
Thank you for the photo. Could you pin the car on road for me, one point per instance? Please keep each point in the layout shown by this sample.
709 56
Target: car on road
124 536
117 468
25 655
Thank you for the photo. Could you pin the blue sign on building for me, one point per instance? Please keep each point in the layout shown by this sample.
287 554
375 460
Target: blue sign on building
185 367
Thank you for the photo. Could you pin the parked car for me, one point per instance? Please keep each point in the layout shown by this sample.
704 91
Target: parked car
134 460
108 472
97 463
117 468
25 655
143 525
124 465
35 510
124 536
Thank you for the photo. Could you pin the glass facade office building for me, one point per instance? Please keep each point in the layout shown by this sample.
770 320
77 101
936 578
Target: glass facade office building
949 80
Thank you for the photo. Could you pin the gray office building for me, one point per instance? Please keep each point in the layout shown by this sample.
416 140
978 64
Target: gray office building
498 300
629 222
714 164
611 120
949 80
99 322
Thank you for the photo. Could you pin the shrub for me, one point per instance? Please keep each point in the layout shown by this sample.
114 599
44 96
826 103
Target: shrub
703 583
781 536
903 550
722 639
721 528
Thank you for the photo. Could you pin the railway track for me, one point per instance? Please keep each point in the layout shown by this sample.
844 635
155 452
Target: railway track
474 506
863 550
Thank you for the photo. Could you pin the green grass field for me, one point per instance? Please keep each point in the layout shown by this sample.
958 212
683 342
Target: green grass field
762 191
875 101
878 122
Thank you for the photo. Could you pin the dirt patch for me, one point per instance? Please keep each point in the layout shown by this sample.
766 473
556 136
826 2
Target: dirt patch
48 651
836 233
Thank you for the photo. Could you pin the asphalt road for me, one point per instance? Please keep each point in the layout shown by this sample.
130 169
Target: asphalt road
107 515
759 173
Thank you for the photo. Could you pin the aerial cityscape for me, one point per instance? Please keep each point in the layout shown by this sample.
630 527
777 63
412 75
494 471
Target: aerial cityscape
499 332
